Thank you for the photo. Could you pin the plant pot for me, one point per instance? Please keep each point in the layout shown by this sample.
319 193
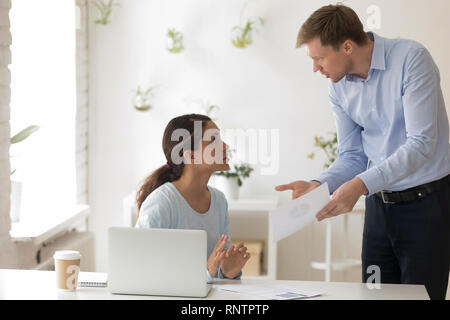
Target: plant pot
228 186
16 199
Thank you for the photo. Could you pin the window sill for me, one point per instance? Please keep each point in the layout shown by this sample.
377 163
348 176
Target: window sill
42 230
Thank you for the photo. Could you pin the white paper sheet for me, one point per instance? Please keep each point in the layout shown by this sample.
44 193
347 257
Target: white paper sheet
267 291
298 213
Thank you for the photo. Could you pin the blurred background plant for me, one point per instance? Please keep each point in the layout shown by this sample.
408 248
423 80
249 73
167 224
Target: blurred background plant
210 111
329 147
240 171
104 10
242 35
175 41
21 136
141 99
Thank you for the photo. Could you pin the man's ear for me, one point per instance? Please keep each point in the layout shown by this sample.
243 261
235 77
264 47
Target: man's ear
347 47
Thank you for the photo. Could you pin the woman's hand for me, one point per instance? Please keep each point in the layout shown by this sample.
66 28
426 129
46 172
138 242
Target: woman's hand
234 261
217 255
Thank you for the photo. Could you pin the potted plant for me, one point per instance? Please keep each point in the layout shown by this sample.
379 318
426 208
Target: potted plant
16 186
329 146
230 181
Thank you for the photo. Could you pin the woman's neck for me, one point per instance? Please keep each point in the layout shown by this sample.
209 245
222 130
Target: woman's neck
191 183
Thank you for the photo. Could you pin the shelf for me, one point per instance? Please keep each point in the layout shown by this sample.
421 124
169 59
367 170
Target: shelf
261 203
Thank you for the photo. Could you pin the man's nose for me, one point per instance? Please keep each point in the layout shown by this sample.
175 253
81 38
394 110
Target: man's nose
316 67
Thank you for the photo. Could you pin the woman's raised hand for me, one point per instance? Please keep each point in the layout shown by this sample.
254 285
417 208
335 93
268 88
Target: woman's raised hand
217 255
234 260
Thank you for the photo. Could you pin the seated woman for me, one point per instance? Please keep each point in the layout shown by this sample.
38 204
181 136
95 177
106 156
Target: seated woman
177 195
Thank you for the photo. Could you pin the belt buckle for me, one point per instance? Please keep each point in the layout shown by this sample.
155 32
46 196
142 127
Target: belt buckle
382 197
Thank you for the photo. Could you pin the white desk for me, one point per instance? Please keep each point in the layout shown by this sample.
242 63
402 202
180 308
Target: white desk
33 284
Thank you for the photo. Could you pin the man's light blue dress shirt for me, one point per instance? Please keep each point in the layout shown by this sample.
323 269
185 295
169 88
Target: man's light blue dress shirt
392 127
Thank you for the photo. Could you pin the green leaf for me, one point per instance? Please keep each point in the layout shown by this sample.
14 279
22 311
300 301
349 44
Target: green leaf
25 133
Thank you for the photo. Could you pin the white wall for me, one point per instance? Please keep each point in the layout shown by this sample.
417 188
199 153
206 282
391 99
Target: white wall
267 86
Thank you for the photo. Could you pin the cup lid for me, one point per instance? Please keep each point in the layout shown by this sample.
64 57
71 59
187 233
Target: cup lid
67 255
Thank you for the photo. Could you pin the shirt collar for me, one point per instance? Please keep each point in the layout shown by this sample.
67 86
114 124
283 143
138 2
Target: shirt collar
378 55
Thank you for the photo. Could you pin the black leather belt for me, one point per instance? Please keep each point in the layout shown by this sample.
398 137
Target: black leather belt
419 192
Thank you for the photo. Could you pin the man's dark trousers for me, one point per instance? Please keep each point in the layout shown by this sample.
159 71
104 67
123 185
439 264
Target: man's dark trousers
409 242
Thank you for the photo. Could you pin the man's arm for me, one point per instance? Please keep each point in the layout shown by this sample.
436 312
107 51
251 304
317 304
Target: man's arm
420 102
351 157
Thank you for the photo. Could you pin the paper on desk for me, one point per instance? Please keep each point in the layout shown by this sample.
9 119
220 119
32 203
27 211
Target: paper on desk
298 213
267 291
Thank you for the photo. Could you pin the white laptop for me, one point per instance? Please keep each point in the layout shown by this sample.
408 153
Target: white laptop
163 262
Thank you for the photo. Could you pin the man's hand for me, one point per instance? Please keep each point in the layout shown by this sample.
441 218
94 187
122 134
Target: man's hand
234 260
343 199
217 255
298 188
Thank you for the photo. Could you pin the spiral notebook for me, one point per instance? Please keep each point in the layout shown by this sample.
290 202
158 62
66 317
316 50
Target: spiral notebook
92 279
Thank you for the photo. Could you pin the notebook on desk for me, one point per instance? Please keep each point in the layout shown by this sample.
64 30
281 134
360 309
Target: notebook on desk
92 279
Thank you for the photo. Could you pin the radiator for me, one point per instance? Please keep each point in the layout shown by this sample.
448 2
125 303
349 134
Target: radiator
80 241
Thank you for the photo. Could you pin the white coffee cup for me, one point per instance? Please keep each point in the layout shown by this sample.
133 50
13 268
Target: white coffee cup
67 268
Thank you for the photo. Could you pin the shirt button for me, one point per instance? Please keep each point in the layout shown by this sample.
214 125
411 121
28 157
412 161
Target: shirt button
381 158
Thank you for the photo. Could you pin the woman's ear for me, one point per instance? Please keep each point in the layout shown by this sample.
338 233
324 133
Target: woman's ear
188 157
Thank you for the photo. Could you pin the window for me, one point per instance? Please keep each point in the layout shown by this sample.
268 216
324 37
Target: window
43 93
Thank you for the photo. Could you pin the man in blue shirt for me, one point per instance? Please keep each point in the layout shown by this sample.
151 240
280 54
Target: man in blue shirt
393 147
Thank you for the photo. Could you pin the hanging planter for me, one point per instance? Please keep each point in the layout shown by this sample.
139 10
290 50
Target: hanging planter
141 99
242 35
174 41
104 10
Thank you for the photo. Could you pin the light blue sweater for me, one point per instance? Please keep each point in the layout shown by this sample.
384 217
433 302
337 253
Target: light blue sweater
165 207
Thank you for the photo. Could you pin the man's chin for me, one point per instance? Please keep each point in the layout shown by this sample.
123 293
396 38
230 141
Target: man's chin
335 80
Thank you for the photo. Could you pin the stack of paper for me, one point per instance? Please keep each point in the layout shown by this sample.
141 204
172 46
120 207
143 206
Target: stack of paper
267 291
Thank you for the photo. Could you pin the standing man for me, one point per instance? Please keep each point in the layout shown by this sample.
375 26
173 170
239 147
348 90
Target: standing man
393 146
